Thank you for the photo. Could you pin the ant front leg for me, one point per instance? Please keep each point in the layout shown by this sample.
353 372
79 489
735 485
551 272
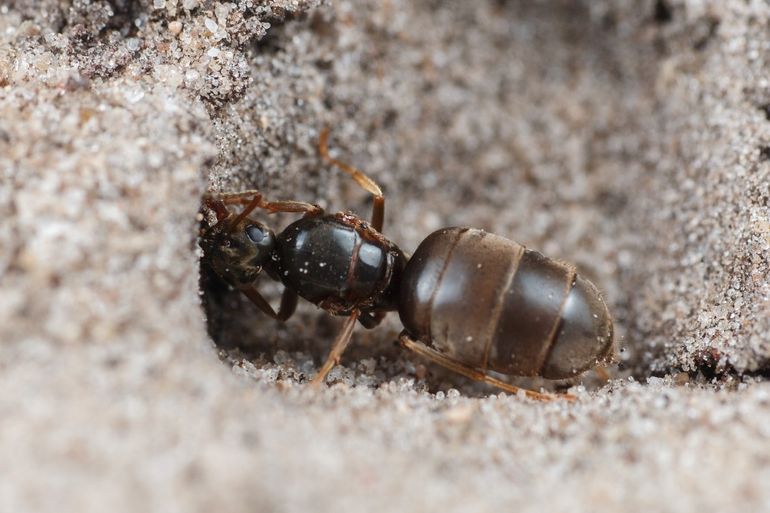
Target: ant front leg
378 207
287 308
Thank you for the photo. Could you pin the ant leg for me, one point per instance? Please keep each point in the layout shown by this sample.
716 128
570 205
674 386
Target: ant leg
371 320
254 199
602 374
302 207
470 372
378 213
339 346
288 303
233 198
378 207
222 214
610 359
219 208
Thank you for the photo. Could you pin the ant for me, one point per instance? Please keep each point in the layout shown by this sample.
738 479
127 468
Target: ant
469 300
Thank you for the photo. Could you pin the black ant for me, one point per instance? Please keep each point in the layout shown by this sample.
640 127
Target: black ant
469 300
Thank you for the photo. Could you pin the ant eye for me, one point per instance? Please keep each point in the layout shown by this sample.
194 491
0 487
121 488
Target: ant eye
255 234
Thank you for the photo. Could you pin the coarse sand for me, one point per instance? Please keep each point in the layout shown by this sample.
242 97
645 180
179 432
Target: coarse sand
630 137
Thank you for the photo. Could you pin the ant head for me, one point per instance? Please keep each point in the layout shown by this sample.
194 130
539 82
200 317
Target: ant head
237 248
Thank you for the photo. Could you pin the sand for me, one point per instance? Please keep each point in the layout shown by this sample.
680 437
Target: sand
628 137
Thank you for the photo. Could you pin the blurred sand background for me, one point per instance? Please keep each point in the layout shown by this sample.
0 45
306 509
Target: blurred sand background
630 137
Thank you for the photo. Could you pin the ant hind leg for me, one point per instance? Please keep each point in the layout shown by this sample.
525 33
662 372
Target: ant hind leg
602 374
470 372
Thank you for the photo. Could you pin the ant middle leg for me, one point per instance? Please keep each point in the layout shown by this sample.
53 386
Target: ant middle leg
470 372
378 206
338 347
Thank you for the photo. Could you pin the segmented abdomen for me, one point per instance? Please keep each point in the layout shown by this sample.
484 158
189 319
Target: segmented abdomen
490 303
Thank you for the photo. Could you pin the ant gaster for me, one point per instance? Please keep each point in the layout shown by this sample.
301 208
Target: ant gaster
470 301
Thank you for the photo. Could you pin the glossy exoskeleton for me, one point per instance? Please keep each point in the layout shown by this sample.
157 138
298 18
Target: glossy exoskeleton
469 300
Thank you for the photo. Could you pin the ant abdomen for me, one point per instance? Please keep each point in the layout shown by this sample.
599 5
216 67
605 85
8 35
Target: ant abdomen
491 304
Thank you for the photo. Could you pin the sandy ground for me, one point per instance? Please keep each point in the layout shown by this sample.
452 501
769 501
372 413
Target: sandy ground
629 137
